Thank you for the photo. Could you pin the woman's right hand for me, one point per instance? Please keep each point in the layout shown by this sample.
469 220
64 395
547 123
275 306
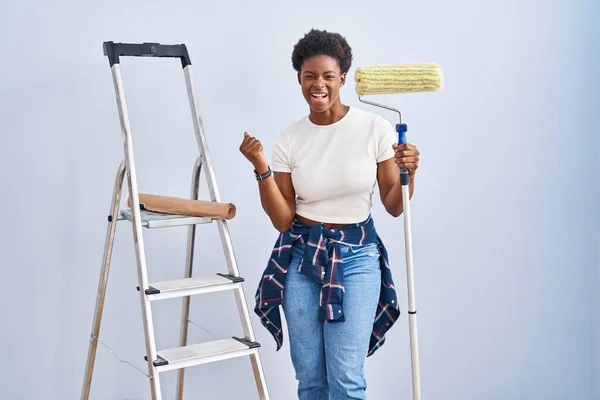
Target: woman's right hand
276 193
252 149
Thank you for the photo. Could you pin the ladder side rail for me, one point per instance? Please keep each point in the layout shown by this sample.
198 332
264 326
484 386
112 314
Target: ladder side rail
215 196
240 297
189 265
103 281
137 231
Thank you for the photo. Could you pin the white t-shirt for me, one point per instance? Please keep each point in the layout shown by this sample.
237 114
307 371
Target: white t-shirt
334 167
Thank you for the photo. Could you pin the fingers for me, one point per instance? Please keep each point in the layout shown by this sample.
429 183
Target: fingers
406 156
407 152
410 167
247 139
251 148
255 147
404 146
250 144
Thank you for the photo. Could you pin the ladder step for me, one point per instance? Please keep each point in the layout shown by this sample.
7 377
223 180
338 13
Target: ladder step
203 353
191 286
151 219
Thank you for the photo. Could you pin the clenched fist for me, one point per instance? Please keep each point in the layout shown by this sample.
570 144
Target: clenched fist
252 149
407 156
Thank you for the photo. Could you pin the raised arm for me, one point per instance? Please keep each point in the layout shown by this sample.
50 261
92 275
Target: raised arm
277 194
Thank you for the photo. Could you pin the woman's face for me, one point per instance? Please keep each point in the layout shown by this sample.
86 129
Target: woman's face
320 79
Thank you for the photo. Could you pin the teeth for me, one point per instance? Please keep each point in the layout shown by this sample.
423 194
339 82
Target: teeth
319 94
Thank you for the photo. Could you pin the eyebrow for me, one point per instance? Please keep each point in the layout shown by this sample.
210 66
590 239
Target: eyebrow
327 72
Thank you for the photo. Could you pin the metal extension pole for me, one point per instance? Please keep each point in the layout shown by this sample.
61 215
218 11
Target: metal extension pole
412 308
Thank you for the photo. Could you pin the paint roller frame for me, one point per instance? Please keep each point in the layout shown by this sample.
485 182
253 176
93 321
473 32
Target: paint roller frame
396 79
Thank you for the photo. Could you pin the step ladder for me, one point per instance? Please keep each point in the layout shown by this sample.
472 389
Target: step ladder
186 355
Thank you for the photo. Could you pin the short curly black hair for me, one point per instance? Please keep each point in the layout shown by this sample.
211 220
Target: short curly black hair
322 42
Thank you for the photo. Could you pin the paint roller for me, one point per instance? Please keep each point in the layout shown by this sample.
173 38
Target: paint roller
395 79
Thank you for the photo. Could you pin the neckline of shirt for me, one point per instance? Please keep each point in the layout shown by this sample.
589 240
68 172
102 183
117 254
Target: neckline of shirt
341 120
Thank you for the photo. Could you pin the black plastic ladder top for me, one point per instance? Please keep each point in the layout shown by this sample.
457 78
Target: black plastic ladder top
116 50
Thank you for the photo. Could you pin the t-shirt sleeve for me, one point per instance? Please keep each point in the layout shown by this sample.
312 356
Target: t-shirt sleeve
280 157
385 137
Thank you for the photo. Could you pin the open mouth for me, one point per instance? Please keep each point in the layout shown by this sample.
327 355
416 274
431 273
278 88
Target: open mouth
319 96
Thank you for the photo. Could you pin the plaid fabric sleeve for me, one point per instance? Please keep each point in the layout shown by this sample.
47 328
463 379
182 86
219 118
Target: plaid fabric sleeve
269 294
388 310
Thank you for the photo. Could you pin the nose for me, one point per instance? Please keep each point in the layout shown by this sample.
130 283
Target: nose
319 82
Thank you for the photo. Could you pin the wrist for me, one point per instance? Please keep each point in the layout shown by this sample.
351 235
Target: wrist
261 176
261 168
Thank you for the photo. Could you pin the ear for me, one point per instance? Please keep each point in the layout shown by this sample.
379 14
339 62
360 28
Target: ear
343 79
299 80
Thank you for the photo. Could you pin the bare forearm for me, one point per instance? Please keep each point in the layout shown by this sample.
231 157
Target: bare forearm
275 205
393 198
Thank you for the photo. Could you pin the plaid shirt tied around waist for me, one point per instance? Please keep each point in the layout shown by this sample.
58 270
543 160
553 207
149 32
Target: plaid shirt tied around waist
322 261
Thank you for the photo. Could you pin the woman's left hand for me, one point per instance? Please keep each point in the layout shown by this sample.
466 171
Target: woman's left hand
407 156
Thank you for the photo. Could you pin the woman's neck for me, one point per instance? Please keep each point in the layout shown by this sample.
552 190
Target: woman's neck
330 116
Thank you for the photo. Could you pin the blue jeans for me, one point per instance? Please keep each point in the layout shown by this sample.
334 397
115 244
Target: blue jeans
329 358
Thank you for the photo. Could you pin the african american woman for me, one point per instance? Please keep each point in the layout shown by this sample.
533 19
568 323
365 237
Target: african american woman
329 269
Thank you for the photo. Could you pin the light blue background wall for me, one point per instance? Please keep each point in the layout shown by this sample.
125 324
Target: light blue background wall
505 215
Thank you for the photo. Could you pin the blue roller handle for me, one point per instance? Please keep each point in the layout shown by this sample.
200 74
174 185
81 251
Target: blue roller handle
404 175
401 129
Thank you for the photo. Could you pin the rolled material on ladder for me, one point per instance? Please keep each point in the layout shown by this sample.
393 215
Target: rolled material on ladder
182 206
